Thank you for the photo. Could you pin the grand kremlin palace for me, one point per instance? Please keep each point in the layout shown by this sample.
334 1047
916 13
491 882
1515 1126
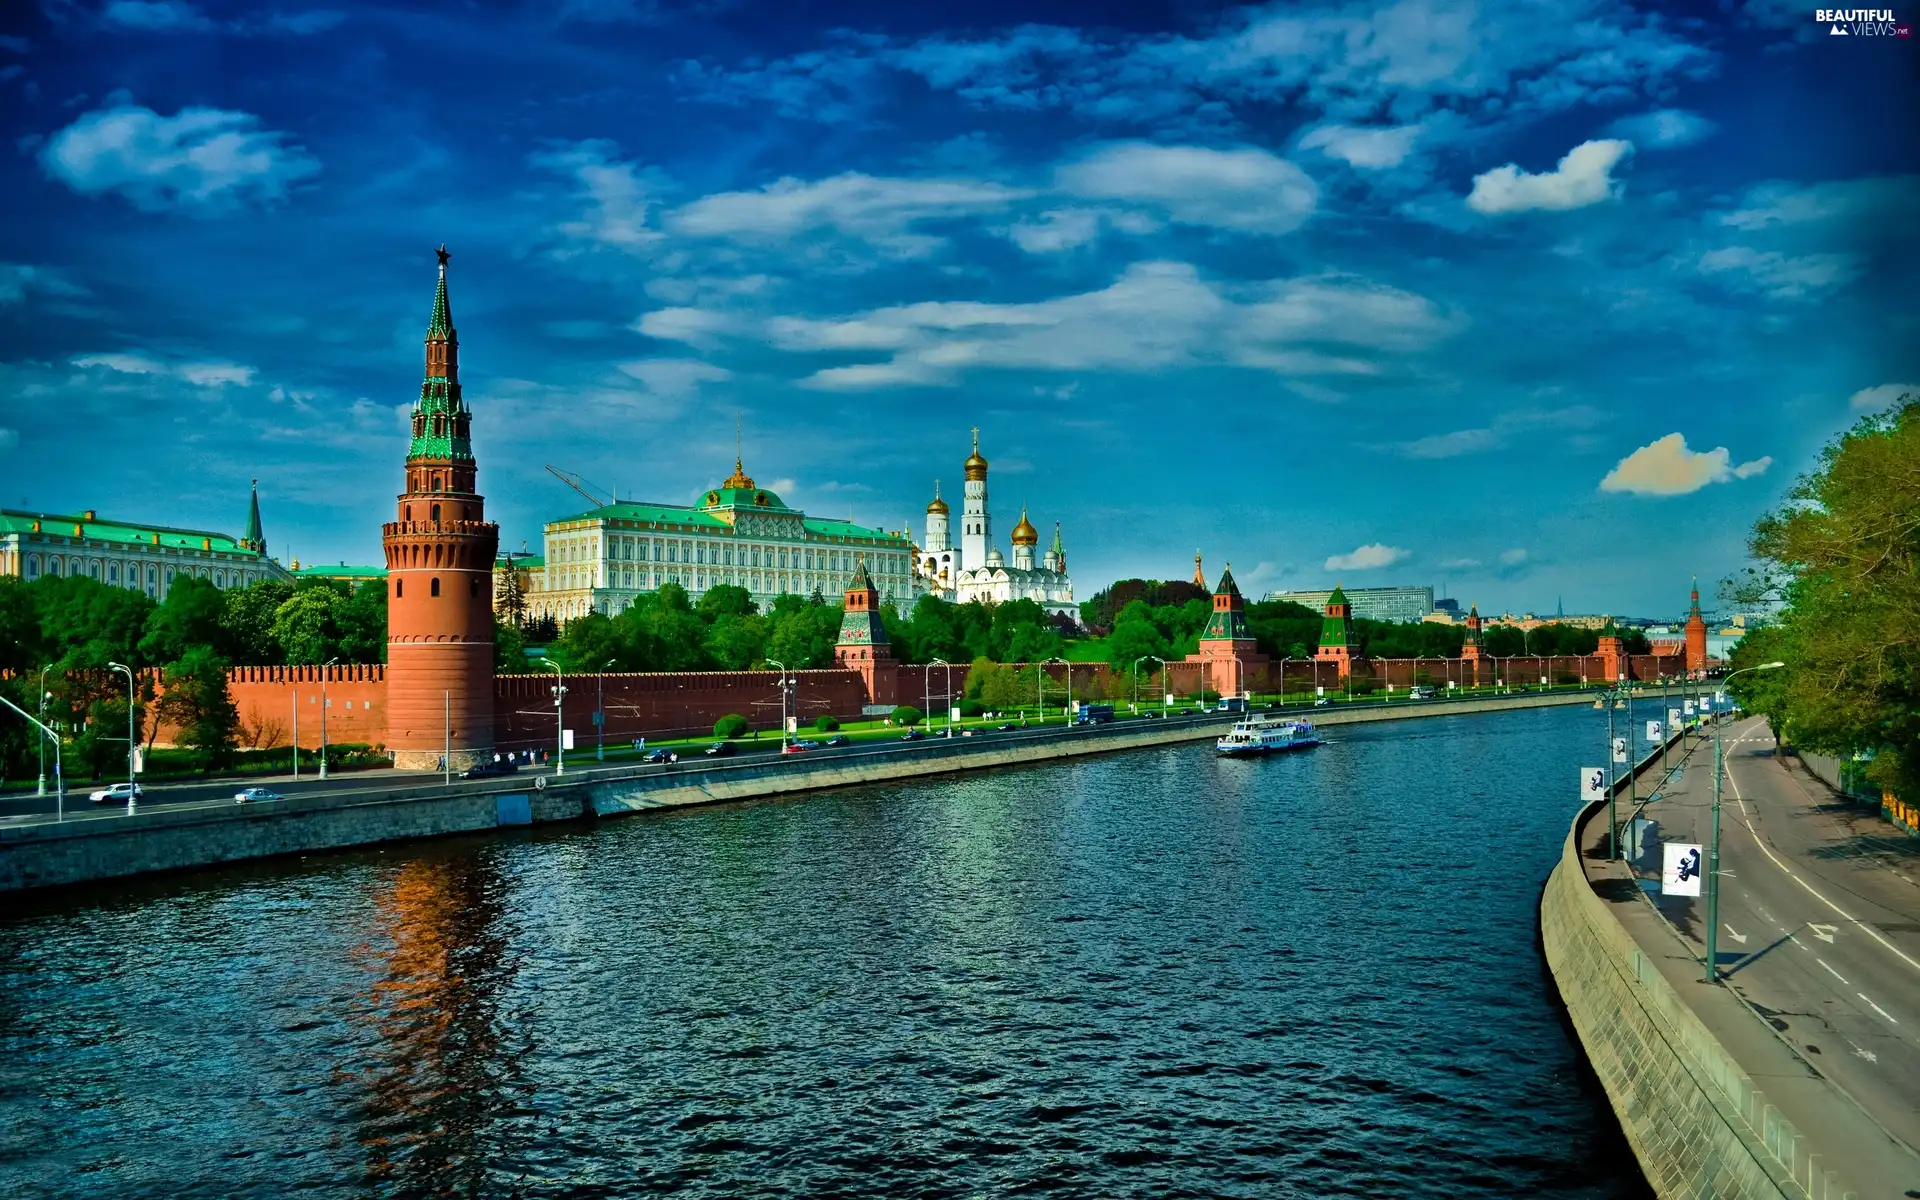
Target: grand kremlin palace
738 533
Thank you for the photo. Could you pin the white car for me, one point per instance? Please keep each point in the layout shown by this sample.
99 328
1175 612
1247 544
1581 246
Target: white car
255 794
119 793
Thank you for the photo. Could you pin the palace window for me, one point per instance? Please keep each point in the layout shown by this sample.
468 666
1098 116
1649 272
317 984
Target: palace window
113 573
433 588
398 585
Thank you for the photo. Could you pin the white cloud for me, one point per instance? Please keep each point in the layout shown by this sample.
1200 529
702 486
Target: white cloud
1369 148
1512 558
1245 189
617 201
1664 128
1335 308
1583 177
1452 445
1873 398
1056 230
1782 276
1665 467
17 280
881 211
1884 202
1497 434
152 16
1367 558
9 438
694 326
1457 564
202 160
200 374
674 376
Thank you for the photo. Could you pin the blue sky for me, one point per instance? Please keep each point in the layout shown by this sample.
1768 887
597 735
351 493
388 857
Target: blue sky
1530 301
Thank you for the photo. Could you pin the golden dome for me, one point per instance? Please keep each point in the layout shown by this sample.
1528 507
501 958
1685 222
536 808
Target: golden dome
938 505
739 478
975 465
1024 534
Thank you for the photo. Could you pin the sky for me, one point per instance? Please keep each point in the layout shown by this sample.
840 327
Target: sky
1537 303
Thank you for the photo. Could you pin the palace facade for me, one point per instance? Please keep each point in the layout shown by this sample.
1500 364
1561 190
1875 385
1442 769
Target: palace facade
134 555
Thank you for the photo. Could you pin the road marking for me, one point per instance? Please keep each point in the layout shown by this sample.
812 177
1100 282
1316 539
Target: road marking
1832 972
1738 937
1823 932
1875 1007
1863 1052
1747 818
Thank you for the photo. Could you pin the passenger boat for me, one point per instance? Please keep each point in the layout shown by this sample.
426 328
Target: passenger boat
1258 735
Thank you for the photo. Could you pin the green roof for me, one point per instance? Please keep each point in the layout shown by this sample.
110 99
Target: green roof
845 529
342 571
58 525
673 514
523 561
741 497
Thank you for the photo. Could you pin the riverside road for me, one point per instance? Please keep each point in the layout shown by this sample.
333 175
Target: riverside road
1819 913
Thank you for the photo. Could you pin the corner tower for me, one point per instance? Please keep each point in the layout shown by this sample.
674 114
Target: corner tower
1696 632
863 645
1231 656
440 556
1336 633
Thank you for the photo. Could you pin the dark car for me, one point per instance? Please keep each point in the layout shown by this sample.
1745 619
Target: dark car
912 735
838 739
721 750
485 770
1151 716
1006 725
1186 712
656 756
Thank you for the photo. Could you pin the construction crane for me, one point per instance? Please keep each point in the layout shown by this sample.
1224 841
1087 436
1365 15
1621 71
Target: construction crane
574 481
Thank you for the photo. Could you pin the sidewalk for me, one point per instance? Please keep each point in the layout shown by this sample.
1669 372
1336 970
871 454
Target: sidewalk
1844 1135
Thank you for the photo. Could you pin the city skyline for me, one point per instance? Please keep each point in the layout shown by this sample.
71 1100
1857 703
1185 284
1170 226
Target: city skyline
1521 309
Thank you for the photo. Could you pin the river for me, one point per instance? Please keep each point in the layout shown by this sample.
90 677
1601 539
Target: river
1146 974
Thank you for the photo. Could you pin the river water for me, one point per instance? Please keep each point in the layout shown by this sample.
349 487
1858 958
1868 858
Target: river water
1147 974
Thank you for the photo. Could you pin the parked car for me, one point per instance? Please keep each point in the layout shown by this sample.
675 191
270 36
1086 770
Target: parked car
1151 716
1186 712
505 766
660 756
796 747
119 793
1006 725
1322 702
912 735
254 795
839 739
717 750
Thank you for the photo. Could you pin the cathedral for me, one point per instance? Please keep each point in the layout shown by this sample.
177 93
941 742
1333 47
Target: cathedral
974 569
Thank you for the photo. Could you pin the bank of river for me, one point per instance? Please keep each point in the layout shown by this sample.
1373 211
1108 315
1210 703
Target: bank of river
1153 973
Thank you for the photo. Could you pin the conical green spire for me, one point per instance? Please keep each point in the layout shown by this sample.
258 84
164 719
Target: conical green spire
1226 586
441 324
440 418
254 539
861 580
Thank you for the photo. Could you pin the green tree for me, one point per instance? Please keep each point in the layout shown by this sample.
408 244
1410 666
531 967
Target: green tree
362 621
249 622
509 649
1843 553
21 647
726 600
307 626
736 641
1002 689
193 614
907 715
826 724
731 726
198 704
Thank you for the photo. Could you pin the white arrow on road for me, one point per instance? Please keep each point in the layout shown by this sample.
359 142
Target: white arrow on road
1738 937
1823 932
1865 1053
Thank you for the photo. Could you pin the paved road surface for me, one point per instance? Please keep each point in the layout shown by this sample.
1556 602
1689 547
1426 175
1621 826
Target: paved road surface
1819 913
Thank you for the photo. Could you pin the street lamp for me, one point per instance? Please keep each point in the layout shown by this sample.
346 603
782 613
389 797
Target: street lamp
926 690
45 695
1069 666
59 780
128 672
323 714
774 662
600 712
1136 681
559 718
1713 854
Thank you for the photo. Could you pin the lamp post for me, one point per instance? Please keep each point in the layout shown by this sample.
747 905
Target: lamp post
1069 666
128 672
59 780
1713 853
600 712
41 788
323 714
1136 681
926 689
774 662
559 718
1284 660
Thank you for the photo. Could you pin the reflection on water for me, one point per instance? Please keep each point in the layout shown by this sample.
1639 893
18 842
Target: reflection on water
1149 974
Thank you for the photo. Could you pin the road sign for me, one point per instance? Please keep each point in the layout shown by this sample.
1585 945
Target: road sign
953 714
1319 691
599 719
1706 704
793 724
566 739
1169 697
1680 869
1620 750
1653 731
1686 706
1673 718
1593 784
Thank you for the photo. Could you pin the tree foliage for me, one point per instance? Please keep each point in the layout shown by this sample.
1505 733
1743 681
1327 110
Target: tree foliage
1843 554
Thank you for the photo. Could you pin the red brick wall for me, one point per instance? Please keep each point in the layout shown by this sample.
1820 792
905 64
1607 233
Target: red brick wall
662 704
356 700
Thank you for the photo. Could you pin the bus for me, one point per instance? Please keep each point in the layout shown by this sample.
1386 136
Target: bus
1093 714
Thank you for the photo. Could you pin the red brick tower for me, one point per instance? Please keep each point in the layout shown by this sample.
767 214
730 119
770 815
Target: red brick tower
1336 633
1696 632
1613 659
1226 647
1471 651
440 556
863 638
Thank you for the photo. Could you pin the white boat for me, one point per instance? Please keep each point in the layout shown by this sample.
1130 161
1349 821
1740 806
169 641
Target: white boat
1258 735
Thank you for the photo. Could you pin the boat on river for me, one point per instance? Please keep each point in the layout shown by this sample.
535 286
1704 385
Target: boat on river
1259 735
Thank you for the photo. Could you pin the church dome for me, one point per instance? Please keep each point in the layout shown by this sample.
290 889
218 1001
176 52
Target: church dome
1024 534
938 505
976 466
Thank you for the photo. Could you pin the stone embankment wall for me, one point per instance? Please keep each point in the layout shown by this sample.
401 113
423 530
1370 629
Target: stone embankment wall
160 838
1694 1118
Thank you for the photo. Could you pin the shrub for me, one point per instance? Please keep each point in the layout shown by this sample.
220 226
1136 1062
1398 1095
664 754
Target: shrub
732 725
972 708
1566 677
908 716
826 724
